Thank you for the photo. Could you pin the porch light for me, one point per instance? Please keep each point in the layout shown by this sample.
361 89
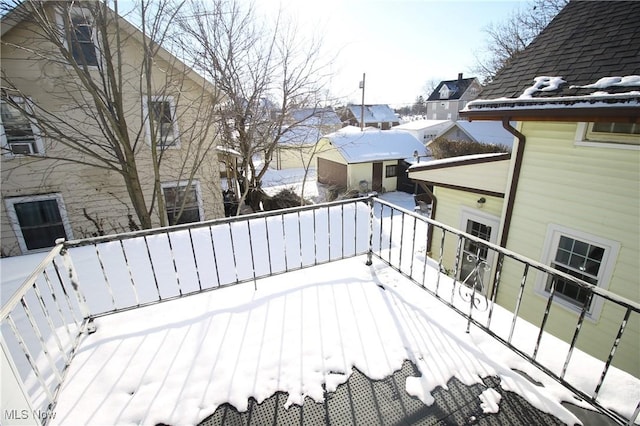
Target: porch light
481 201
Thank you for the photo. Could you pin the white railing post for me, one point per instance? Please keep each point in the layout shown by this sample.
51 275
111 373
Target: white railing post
73 278
370 251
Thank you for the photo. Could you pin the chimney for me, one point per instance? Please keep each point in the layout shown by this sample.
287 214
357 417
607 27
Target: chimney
459 76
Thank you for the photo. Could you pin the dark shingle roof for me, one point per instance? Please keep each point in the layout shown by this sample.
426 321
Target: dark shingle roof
586 41
459 86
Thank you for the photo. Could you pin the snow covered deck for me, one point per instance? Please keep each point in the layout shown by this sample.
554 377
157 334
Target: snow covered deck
320 314
302 334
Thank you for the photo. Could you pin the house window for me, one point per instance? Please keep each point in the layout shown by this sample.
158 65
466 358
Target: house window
19 134
607 134
80 34
183 203
38 220
161 122
580 259
483 226
391 170
583 256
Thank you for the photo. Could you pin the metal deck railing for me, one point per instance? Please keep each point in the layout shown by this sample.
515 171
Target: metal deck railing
43 322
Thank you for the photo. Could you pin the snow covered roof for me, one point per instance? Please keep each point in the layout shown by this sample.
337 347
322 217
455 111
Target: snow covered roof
425 124
488 132
372 144
374 113
301 135
586 42
316 116
464 159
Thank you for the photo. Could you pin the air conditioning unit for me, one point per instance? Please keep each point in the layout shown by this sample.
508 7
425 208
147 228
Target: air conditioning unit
23 148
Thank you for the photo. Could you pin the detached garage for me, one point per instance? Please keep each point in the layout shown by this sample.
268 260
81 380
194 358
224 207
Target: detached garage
349 156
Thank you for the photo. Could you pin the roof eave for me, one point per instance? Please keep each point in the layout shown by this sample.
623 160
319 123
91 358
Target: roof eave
619 114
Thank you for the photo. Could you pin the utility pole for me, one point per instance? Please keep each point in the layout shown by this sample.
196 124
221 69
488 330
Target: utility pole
362 105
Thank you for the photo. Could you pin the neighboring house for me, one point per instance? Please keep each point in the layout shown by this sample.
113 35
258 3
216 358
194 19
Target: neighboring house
379 116
450 96
487 132
44 196
372 159
426 130
571 196
296 146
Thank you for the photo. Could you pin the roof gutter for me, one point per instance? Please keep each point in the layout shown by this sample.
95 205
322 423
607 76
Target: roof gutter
515 178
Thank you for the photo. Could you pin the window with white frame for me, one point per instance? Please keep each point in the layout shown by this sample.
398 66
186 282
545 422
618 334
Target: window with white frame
183 202
80 34
161 124
615 135
587 257
18 133
484 226
38 220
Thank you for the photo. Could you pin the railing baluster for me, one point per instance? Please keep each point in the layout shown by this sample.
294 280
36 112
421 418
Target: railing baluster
342 231
523 280
106 279
233 253
175 265
547 310
266 230
284 242
43 343
55 301
583 312
494 288
300 240
612 352
401 240
30 359
369 261
315 239
456 278
381 230
195 260
355 227
413 247
253 263
329 233
215 258
153 269
390 233
66 295
133 283
47 315
440 258
75 282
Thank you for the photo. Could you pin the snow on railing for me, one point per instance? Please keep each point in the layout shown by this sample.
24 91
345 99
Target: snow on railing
470 285
41 326
84 279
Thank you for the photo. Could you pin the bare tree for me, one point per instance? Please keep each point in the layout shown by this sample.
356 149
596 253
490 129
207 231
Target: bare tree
265 71
506 39
106 108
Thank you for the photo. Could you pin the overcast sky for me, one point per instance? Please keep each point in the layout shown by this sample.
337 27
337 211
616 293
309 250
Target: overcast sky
399 44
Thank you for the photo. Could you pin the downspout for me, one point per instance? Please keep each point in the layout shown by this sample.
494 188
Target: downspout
515 178
511 196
